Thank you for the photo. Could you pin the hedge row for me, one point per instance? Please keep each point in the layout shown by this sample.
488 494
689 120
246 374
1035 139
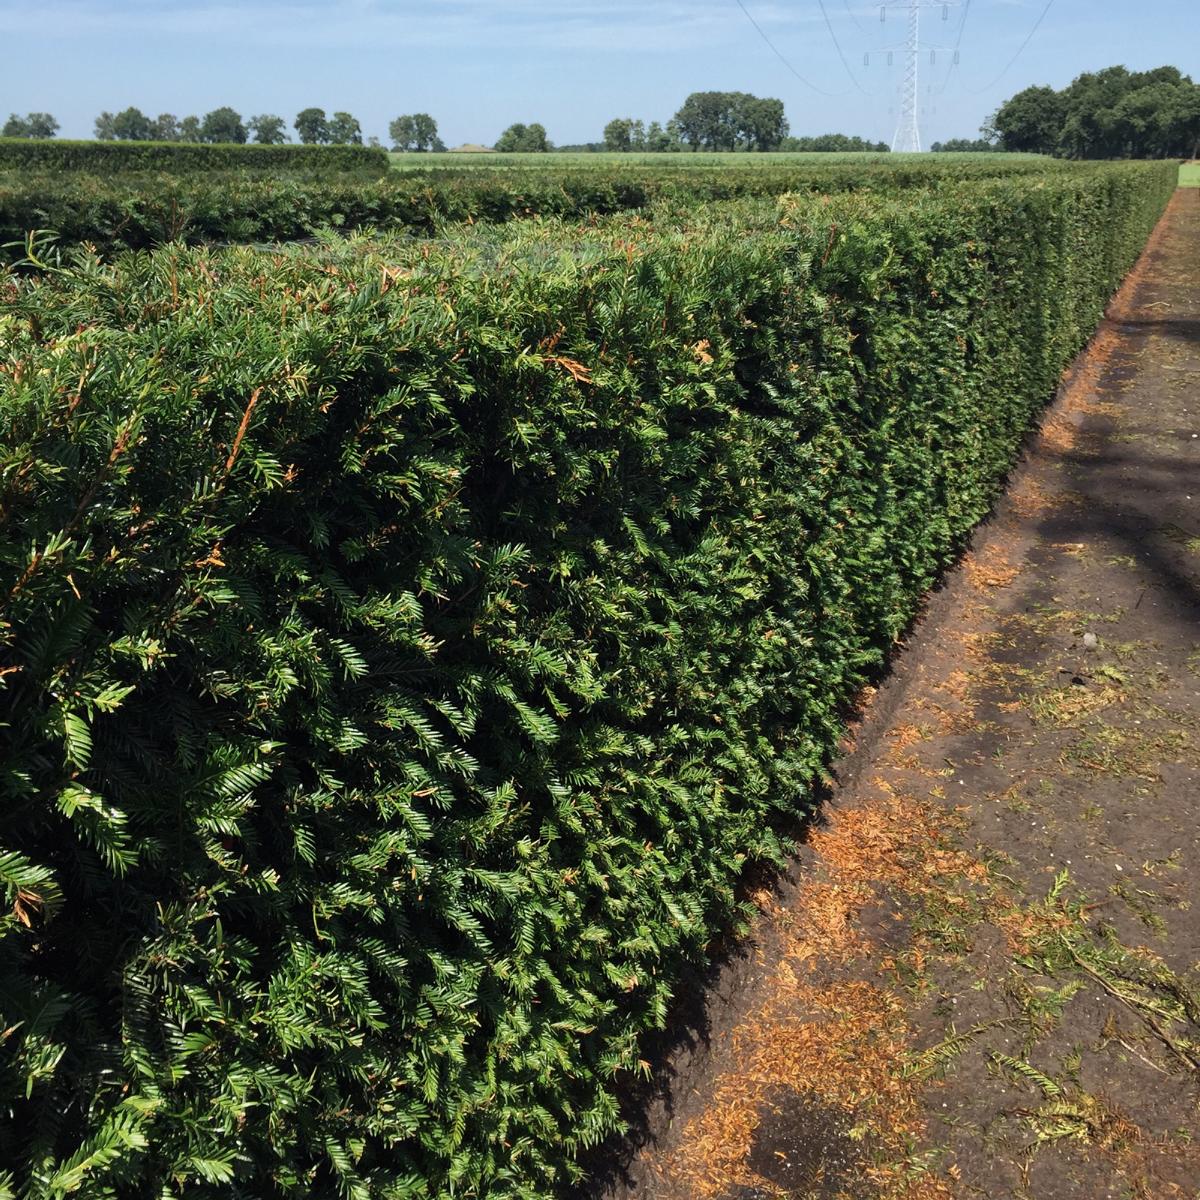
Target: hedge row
109 158
405 650
138 212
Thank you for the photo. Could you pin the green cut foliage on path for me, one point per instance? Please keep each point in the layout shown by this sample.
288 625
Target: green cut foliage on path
187 158
141 211
405 648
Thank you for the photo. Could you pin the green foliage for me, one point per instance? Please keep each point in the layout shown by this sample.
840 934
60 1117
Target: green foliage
835 143
268 129
623 134
185 158
415 132
406 646
1114 113
32 125
730 121
312 126
344 130
523 139
223 126
965 146
131 124
144 211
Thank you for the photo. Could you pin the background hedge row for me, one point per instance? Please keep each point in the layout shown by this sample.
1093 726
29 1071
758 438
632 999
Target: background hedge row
140 211
404 649
109 158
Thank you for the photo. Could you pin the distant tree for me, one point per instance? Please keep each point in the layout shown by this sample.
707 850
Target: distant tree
618 134
625 133
42 125
223 125
344 130
1113 113
427 132
34 125
403 133
189 130
510 140
1031 122
415 132
268 130
131 125
104 127
659 139
312 126
1087 124
1159 120
731 121
166 128
527 139
833 143
760 123
699 120
964 146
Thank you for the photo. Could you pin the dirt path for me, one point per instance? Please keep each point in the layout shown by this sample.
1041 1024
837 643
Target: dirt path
980 978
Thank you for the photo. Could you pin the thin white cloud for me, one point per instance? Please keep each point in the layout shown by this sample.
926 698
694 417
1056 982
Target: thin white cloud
623 25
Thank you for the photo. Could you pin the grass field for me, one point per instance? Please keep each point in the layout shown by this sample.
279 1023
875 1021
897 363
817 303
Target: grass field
1189 175
492 160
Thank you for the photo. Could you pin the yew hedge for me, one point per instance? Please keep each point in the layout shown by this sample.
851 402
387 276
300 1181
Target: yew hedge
143 210
404 650
110 158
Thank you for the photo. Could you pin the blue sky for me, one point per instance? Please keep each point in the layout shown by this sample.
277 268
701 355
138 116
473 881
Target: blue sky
477 66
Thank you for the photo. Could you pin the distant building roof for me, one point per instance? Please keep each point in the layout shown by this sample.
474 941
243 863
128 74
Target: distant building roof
470 148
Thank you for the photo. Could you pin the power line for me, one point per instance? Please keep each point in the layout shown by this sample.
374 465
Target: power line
957 44
850 14
838 47
779 54
1021 50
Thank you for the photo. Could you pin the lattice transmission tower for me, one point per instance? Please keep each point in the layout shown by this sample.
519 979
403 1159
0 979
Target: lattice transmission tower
908 128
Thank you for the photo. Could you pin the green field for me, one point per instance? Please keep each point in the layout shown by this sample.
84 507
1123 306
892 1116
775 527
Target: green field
1189 175
674 161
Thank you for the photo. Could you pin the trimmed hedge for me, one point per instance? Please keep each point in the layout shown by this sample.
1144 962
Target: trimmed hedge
405 649
142 211
109 158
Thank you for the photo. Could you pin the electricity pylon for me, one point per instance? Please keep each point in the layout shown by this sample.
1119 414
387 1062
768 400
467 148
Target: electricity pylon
908 129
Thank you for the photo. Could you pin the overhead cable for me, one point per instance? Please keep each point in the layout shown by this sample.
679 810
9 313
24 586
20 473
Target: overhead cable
779 54
838 47
1020 50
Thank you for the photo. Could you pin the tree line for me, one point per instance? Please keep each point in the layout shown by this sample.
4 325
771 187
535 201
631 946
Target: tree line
965 146
32 125
724 121
706 121
225 125
1114 113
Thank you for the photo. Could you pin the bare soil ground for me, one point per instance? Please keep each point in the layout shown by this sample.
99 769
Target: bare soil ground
979 979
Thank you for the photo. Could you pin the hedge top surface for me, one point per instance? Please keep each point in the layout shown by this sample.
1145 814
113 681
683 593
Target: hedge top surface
145 209
104 158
